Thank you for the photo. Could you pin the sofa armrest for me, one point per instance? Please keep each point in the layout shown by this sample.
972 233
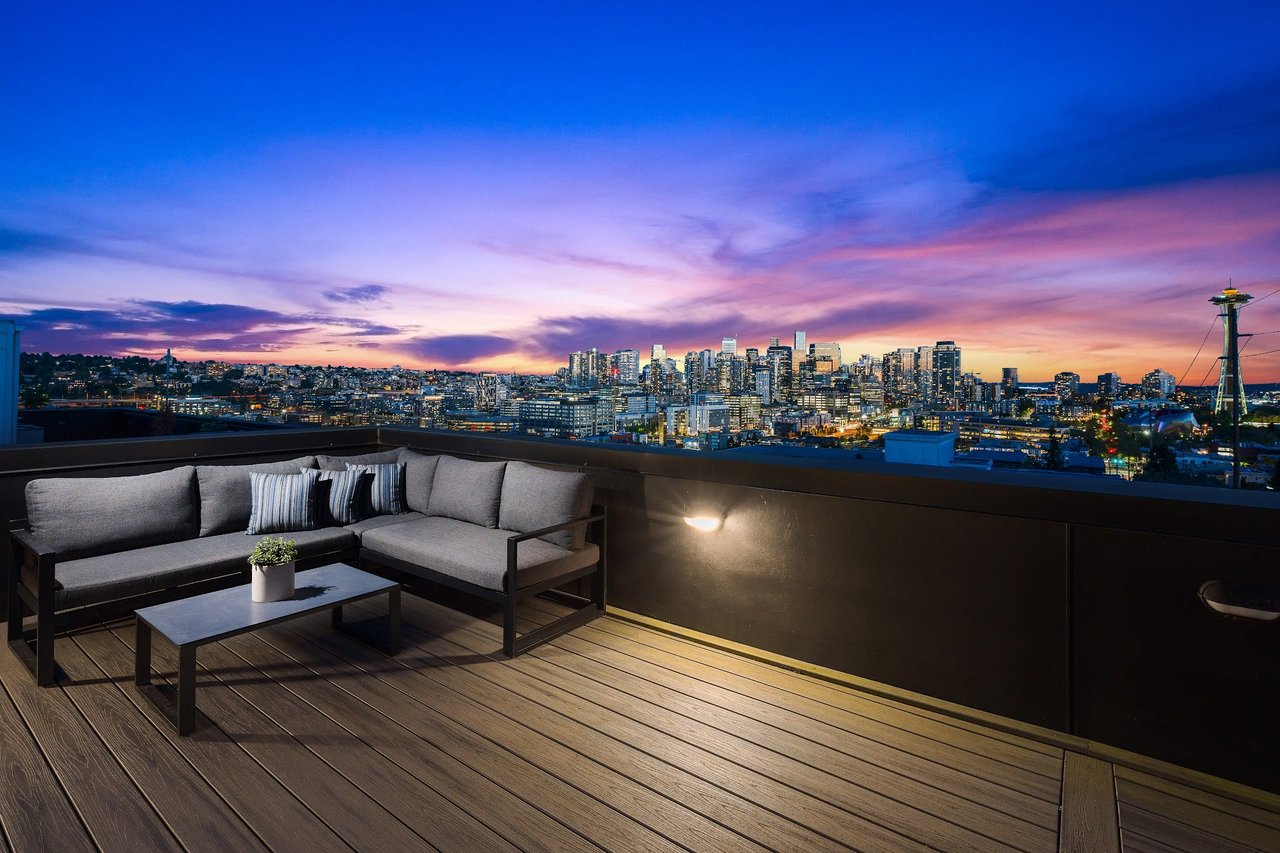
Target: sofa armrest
31 550
565 525
514 541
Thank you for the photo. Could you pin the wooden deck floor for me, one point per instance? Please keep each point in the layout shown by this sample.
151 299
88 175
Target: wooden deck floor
615 737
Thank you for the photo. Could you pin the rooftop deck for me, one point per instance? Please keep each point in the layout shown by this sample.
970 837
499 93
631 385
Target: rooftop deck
614 736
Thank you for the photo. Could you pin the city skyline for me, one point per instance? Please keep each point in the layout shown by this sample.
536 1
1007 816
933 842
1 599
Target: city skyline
1052 192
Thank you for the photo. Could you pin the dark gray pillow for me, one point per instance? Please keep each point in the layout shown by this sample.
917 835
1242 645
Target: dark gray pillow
225 499
533 498
419 473
87 516
339 463
467 491
283 502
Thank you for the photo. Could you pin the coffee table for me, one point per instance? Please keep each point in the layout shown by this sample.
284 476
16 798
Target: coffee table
193 622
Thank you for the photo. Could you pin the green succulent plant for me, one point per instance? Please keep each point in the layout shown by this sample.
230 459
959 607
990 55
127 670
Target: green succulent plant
272 551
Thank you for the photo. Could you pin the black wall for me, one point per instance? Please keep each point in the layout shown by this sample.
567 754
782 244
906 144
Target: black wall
1066 602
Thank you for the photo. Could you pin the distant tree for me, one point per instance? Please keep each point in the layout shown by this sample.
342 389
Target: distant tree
1161 463
34 396
1053 457
164 422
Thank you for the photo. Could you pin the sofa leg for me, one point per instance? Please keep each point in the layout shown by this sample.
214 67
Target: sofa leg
509 626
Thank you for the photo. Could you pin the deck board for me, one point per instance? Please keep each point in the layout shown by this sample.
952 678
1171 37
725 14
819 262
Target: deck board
867 789
85 767
614 736
1089 819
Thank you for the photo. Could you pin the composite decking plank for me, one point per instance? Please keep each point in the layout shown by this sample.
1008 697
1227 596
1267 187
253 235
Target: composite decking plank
390 688
421 808
34 809
259 797
504 812
590 676
116 814
1219 801
1089 820
816 799
1137 843
526 729
814 776
817 687
702 661
643 753
358 819
1172 833
685 677
735 810
193 810
1196 815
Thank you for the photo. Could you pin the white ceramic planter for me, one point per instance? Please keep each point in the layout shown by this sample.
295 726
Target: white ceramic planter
272 583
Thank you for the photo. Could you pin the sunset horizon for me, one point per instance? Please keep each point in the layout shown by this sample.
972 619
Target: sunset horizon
1052 192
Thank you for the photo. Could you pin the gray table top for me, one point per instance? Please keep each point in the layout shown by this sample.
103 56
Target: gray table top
227 612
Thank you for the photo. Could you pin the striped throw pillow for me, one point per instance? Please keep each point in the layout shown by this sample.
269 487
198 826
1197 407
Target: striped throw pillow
343 504
283 502
386 491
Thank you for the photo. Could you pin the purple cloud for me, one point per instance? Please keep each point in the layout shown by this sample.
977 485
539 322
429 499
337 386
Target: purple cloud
357 295
459 349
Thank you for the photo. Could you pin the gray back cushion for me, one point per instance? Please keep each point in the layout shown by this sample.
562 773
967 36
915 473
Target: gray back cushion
87 516
225 498
419 474
467 491
533 498
339 463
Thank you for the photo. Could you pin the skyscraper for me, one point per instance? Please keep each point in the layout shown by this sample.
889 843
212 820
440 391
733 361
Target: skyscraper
830 351
1109 385
1159 383
729 345
946 372
1066 385
628 365
1009 382
799 352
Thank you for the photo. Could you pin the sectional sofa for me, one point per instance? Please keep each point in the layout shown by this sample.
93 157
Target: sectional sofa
98 548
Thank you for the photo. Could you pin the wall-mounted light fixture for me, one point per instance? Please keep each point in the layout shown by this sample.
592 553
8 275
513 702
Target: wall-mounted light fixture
703 523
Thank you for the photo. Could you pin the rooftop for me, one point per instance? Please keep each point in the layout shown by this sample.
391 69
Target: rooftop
871 656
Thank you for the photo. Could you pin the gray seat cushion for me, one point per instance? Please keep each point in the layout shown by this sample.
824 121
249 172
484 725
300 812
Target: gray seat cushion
365 524
534 498
84 516
475 554
339 463
419 473
467 491
225 498
112 576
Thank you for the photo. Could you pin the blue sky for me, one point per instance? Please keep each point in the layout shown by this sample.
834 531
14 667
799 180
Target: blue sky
498 184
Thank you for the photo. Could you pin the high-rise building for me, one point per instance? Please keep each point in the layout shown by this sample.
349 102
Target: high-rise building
899 369
627 362
658 353
1159 383
567 417
763 383
773 342
1009 382
487 392
10 357
729 345
946 372
829 351
585 368
781 372
1109 385
799 351
1066 385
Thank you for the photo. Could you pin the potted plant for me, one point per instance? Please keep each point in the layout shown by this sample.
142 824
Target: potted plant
273 564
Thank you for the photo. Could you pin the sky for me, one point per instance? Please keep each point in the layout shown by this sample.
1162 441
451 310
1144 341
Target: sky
495 185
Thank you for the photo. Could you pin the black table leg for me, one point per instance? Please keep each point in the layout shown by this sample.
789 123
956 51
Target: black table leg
186 689
393 621
142 654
